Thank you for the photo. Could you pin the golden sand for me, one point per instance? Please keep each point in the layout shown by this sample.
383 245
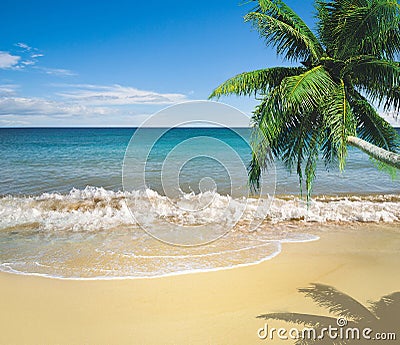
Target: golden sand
203 308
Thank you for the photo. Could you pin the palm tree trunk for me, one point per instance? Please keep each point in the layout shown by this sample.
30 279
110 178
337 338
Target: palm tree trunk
390 158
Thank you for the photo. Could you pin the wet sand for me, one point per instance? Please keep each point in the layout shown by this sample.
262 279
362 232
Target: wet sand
202 308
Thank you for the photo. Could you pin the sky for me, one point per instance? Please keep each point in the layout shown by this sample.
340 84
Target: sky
114 63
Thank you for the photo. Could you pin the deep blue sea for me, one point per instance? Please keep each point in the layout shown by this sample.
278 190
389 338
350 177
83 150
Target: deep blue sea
104 203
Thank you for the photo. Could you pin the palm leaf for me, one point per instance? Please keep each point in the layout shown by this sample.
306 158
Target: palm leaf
330 18
304 92
340 121
294 139
329 149
271 120
370 126
353 27
259 81
261 142
373 76
311 165
284 29
393 99
301 145
372 29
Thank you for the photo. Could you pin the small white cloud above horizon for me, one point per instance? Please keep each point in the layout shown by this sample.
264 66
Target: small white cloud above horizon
117 95
38 112
20 106
56 71
82 105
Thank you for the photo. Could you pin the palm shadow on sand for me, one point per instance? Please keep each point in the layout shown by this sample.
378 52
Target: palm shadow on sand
382 316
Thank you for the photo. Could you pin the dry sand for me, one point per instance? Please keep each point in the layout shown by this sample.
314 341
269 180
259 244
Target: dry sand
203 308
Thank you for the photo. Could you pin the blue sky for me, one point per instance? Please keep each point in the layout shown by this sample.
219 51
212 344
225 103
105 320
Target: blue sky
113 63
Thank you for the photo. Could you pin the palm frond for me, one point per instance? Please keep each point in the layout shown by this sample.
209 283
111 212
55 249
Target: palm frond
329 149
340 121
311 165
353 27
268 122
324 20
371 126
255 82
284 29
338 303
261 139
303 93
271 121
392 99
374 77
300 145
330 16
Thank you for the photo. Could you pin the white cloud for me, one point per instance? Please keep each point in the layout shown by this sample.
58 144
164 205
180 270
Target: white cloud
22 106
28 62
8 89
23 46
56 71
82 105
27 56
7 60
24 111
118 95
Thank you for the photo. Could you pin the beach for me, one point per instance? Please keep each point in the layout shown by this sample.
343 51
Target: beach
360 259
193 258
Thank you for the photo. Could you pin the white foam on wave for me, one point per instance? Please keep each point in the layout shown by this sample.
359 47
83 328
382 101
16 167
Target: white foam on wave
93 209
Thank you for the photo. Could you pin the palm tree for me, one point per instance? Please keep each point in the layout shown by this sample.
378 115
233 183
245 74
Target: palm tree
381 316
325 102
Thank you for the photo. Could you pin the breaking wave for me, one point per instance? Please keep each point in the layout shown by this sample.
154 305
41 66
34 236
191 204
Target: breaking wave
91 234
93 209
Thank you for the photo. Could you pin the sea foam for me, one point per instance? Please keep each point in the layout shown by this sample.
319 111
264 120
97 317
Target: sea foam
93 209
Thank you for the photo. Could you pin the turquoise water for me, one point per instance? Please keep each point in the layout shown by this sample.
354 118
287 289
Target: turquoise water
65 213
38 160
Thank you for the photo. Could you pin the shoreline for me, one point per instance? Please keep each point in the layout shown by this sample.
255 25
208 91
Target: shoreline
217 307
280 243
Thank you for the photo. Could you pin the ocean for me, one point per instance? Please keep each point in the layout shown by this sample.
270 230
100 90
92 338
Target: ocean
106 203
